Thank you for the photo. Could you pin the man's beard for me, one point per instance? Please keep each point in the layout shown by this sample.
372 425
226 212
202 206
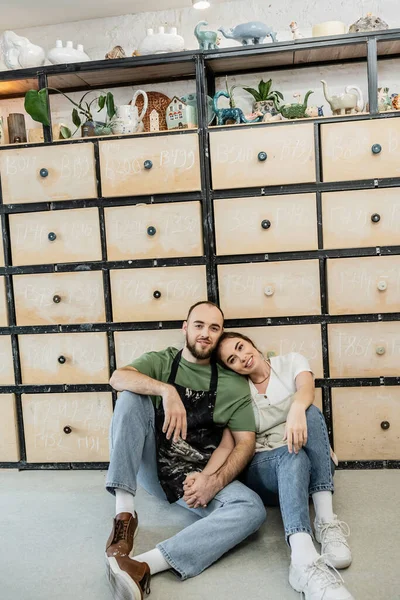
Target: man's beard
200 354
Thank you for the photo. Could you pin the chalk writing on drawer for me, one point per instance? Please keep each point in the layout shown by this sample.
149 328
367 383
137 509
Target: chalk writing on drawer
366 282
39 233
282 216
352 220
171 225
72 168
344 147
291 150
353 345
86 295
253 286
172 290
179 158
44 356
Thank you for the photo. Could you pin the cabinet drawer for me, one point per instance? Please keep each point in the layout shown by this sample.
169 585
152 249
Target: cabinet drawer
262 156
361 417
6 362
270 289
154 231
129 345
55 236
64 358
364 349
363 285
150 165
156 294
360 150
59 298
9 445
305 339
3 303
267 224
361 218
48 174
67 427
2 263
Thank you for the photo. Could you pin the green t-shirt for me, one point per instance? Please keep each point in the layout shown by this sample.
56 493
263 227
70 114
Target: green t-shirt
233 406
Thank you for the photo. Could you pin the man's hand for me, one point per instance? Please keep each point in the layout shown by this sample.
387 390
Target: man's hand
200 489
296 428
175 414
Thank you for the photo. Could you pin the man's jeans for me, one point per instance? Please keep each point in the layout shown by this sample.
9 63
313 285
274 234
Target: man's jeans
293 477
234 513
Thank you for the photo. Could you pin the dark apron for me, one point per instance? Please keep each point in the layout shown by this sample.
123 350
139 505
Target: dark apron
176 459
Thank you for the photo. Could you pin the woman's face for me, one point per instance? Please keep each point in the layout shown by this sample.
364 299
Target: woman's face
240 356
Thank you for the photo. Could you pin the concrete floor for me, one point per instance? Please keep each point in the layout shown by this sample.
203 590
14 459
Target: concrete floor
54 525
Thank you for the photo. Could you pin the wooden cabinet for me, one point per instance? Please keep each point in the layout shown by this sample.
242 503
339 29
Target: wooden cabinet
129 345
154 231
3 303
9 445
59 298
48 174
163 164
6 361
262 156
270 289
67 427
55 236
366 422
266 224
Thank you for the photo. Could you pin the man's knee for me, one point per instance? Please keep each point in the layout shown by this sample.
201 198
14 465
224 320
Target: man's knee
253 507
128 402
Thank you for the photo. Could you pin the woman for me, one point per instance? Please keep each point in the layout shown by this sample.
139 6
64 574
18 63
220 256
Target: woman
293 460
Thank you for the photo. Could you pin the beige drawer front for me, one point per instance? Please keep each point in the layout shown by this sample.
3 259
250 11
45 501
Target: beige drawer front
347 150
270 289
86 415
64 358
55 236
154 231
267 224
9 445
364 285
6 362
361 218
172 161
358 416
2 263
71 174
236 161
133 292
129 345
305 339
3 303
364 349
59 298
318 399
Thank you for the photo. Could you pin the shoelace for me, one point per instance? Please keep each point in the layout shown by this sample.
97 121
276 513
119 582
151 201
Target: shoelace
121 530
335 531
146 584
326 575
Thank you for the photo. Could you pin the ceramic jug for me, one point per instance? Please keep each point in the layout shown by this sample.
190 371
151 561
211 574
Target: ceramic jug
128 119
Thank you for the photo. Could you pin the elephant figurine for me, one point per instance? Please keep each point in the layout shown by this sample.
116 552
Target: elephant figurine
208 40
250 33
230 114
346 103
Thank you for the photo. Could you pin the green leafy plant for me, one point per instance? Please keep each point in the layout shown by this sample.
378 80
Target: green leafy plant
37 106
229 91
264 93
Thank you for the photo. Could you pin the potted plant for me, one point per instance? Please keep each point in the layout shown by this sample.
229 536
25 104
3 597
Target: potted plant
37 106
265 100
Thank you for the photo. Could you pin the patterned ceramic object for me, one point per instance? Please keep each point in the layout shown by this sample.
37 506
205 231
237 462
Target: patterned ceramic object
116 52
191 100
158 102
368 23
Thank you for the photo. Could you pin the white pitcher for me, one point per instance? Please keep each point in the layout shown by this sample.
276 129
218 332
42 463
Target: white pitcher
128 119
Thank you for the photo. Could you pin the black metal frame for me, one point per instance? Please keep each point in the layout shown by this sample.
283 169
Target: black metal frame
204 67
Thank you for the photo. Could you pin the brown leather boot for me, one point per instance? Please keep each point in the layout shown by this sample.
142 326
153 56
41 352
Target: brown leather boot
124 531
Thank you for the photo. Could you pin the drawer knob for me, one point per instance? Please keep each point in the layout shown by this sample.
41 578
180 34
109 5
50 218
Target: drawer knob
43 172
262 156
67 429
151 230
62 360
157 294
269 290
52 236
376 148
380 350
375 218
265 224
147 164
385 425
382 285
56 299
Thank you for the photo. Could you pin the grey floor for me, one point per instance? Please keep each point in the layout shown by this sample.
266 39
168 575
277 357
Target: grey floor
53 527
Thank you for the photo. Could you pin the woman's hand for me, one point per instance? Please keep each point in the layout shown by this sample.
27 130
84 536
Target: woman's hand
296 428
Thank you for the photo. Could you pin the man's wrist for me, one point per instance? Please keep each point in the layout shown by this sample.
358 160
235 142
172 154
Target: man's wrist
217 480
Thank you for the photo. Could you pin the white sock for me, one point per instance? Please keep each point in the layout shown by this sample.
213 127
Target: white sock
323 506
303 549
124 502
155 560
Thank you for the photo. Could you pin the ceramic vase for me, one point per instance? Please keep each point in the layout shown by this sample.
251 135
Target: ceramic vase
265 107
156 43
19 53
128 119
68 54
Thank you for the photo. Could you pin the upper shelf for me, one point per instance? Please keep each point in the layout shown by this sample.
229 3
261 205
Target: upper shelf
158 68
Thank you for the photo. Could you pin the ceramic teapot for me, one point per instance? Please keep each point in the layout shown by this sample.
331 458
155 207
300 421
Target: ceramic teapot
128 119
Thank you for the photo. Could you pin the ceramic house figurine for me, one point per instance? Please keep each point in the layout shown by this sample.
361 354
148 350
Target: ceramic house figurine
67 54
157 43
19 53
180 115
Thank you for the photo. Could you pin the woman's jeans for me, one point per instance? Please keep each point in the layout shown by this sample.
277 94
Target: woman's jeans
293 477
234 513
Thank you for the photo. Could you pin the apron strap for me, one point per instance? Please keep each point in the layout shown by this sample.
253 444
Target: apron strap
214 377
174 368
214 373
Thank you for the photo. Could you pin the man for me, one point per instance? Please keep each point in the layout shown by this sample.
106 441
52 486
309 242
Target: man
168 433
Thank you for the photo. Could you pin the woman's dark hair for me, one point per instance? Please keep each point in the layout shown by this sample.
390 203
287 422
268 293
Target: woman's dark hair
228 335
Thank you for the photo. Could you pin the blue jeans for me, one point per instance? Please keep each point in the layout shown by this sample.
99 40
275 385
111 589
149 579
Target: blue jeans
234 513
291 478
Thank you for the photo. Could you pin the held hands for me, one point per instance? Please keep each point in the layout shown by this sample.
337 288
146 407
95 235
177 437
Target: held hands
199 489
296 428
175 414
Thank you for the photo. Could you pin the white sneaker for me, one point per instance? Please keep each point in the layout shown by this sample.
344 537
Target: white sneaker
318 582
332 537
